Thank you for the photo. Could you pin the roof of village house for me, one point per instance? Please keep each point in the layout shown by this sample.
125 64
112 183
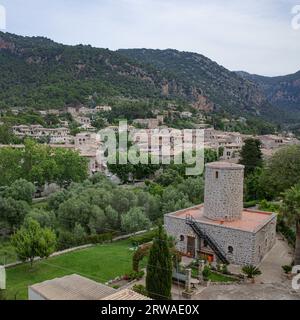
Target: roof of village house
126 294
72 287
76 287
251 220
271 137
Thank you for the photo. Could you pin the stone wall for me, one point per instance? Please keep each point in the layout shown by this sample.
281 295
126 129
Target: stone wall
264 240
223 199
245 244
176 227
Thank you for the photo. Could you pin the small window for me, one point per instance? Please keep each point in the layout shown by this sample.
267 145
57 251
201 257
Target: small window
181 238
230 249
217 174
205 244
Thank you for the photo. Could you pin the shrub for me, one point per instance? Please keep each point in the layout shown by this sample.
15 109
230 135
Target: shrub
225 270
287 269
286 231
251 271
133 275
139 288
206 273
139 254
143 238
100 238
66 240
269 206
250 204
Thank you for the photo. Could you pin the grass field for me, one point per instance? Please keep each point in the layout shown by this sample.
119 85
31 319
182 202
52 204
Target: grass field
100 263
215 277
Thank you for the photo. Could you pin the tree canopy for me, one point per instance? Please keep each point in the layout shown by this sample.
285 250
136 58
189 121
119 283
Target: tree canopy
282 171
251 155
41 164
33 241
159 268
291 211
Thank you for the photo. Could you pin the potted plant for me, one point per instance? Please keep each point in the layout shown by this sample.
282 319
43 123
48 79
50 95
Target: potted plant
205 274
251 272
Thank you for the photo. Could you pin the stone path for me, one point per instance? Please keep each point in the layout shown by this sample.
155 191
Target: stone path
281 254
271 285
269 291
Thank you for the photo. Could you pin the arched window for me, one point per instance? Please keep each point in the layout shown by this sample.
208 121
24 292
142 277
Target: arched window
230 249
182 238
217 174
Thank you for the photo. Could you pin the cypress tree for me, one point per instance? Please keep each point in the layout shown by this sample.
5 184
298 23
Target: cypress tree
251 155
159 268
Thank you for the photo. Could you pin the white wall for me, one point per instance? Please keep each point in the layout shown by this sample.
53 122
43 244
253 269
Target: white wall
2 278
32 295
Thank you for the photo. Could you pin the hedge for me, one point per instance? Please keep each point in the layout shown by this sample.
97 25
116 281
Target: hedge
143 238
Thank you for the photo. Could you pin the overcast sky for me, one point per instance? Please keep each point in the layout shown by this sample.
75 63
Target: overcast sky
251 35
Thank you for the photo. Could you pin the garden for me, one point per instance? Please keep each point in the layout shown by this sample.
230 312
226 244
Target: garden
100 263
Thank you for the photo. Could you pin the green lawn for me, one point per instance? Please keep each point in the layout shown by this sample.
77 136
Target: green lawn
100 263
215 277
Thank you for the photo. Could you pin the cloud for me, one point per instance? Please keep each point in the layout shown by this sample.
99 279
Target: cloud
250 35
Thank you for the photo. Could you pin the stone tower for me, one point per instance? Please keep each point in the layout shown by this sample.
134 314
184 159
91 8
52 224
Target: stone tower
223 198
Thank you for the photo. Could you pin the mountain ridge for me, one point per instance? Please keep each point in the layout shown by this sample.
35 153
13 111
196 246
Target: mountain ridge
208 75
37 72
282 91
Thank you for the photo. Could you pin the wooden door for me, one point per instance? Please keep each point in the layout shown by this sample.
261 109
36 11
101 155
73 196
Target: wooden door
191 244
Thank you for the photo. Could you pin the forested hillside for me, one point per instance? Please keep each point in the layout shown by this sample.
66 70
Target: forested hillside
282 91
218 88
40 74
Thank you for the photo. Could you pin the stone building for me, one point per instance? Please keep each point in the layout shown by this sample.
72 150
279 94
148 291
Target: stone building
274 142
103 108
151 123
88 144
55 135
220 230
